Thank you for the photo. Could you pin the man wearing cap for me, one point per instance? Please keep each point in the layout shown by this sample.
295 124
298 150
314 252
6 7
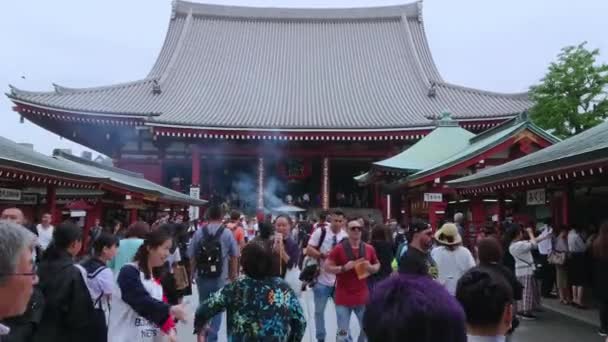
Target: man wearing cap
452 259
417 259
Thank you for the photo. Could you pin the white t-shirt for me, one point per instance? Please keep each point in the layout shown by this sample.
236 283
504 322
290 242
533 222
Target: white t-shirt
45 236
522 253
331 240
452 265
575 242
545 246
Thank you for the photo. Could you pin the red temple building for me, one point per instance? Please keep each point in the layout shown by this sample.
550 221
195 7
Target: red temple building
267 104
566 182
421 174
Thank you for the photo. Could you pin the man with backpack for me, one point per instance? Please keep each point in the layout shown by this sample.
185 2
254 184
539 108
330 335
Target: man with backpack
322 241
352 261
213 256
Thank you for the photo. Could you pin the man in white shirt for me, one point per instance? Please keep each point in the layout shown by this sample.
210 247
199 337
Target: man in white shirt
45 231
322 241
545 246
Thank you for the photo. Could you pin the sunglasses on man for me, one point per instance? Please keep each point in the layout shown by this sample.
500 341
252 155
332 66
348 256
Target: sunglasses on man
356 228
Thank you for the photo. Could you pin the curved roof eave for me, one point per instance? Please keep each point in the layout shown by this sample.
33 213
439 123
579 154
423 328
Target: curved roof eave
405 91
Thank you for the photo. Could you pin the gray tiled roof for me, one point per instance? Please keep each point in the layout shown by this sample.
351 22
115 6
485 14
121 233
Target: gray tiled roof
124 178
587 147
19 157
241 67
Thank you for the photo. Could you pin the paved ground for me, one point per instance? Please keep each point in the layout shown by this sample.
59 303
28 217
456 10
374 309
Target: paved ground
550 327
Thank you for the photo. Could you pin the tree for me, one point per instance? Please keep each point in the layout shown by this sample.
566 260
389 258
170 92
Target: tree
572 96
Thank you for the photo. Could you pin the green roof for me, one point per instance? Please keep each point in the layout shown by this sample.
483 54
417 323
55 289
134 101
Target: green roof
588 146
445 140
484 142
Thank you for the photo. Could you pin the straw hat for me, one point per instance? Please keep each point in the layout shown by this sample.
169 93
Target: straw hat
448 235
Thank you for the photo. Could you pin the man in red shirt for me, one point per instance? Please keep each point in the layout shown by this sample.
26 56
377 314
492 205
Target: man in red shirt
352 261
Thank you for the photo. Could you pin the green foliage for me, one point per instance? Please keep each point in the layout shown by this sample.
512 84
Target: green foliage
573 94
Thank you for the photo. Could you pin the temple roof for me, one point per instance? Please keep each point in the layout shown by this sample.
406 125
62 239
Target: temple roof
449 145
73 169
484 142
228 67
444 141
590 146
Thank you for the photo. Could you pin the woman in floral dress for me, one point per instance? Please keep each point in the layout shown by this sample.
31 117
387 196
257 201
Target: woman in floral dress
259 306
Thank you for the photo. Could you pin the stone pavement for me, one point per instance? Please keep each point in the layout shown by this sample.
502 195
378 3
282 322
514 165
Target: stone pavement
185 331
552 326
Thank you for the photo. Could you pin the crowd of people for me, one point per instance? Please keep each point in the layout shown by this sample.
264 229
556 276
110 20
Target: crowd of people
399 283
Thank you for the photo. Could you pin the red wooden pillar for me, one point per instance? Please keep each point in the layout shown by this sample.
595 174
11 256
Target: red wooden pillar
196 166
260 190
51 202
407 205
195 186
325 195
133 215
478 218
388 207
501 207
433 219
565 207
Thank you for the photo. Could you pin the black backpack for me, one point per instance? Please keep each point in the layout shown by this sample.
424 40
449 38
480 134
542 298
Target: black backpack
209 259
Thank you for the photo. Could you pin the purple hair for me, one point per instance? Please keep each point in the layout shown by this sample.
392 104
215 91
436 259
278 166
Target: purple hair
413 308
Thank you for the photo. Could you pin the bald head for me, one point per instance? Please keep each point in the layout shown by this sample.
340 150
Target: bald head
13 215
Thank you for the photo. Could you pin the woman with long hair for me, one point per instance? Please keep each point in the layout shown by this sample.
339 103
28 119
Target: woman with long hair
453 260
382 241
138 306
68 311
599 253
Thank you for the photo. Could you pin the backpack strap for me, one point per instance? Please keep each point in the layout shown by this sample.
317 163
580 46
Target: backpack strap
219 232
348 250
362 250
322 237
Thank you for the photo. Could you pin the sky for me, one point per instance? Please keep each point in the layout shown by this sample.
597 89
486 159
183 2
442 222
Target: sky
494 45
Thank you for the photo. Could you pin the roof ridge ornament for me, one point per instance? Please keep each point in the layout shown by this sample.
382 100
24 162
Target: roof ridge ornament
432 91
156 88
419 6
523 117
446 120
173 9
